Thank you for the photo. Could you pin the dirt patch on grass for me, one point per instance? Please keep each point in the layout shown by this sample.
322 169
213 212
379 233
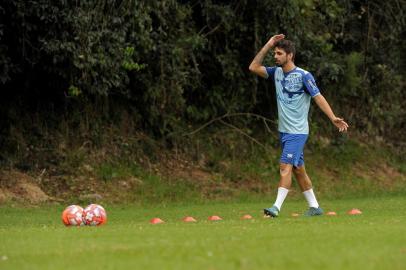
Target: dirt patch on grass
17 186
381 174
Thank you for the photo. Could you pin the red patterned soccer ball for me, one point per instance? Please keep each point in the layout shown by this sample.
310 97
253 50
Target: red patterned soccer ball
73 216
94 215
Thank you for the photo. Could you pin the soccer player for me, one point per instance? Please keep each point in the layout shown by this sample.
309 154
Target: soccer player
295 87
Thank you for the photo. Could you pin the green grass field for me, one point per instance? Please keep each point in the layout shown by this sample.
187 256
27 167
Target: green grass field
34 238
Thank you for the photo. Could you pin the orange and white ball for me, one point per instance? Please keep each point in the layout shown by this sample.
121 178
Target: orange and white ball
94 215
73 216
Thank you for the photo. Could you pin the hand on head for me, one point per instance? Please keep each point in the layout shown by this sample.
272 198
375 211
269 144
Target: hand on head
275 39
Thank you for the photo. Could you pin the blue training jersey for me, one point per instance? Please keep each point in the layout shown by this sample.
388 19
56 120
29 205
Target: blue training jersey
294 91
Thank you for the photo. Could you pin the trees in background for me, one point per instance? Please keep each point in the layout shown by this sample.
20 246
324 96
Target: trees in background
168 63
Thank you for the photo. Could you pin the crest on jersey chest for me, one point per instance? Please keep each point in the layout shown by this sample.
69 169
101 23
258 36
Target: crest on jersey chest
292 85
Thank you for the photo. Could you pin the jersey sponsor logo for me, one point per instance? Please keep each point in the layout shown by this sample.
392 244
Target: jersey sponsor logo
290 94
292 85
289 155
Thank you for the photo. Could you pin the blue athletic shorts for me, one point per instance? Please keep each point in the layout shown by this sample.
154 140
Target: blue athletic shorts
292 148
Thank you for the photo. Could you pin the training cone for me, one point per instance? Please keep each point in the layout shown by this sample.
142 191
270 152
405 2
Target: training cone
156 221
354 211
331 213
246 217
295 215
214 218
189 219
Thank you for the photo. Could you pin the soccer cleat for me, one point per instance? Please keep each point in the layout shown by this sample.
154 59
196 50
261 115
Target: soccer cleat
313 211
273 211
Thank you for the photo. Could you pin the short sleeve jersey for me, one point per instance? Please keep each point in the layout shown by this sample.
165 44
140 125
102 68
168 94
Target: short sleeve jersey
294 91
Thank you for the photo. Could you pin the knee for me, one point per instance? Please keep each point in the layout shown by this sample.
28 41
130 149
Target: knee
299 171
285 171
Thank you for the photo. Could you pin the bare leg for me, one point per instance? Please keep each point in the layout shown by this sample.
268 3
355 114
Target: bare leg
285 171
285 182
306 186
302 178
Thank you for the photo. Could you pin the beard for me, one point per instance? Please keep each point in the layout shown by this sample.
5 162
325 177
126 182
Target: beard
280 63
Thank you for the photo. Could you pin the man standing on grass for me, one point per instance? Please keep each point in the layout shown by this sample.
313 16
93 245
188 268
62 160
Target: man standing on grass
295 87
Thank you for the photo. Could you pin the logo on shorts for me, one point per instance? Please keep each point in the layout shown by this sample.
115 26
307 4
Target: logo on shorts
289 155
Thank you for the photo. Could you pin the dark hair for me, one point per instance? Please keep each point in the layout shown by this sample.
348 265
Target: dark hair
286 45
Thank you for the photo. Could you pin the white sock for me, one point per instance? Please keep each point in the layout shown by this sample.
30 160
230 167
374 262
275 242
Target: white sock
282 193
311 198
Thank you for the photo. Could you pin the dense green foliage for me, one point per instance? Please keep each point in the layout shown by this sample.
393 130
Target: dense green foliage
163 65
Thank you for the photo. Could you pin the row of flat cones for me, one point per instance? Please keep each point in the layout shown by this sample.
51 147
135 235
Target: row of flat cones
192 219
216 218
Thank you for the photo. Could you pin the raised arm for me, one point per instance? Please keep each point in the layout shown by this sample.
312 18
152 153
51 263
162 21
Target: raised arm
325 107
256 64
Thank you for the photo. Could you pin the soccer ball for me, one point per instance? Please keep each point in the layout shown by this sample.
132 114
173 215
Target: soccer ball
94 215
73 216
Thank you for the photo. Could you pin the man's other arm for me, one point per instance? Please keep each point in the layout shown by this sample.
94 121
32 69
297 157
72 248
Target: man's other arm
325 107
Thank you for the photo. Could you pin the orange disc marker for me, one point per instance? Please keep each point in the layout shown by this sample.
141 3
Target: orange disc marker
354 211
189 219
156 221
